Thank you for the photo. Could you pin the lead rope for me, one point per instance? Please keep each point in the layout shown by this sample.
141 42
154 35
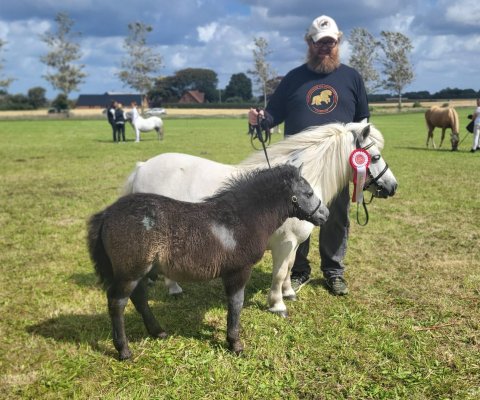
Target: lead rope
262 140
366 212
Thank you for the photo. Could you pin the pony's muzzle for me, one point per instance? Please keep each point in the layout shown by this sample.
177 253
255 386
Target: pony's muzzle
384 191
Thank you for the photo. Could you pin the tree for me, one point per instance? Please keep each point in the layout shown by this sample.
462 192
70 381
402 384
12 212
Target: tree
201 79
63 53
142 62
4 83
364 54
396 65
240 85
36 97
262 72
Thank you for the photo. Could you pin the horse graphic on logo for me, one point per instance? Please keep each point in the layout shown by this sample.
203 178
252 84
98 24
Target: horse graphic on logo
322 99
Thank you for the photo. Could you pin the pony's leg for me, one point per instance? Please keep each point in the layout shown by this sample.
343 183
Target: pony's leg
430 137
140 301
160 133
172 286
443 137
117 296
234 284
283 255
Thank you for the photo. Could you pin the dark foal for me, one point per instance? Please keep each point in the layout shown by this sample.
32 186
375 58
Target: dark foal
143 234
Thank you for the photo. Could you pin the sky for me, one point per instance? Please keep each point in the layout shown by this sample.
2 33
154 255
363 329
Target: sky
218 35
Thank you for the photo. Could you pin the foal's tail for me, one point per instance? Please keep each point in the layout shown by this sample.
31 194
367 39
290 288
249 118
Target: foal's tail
128 187
101 261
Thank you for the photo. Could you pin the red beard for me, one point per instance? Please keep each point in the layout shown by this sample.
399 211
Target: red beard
323 64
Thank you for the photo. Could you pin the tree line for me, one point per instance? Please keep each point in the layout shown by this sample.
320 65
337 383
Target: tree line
383 63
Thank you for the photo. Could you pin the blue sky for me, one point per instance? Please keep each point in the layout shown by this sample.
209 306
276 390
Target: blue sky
219 35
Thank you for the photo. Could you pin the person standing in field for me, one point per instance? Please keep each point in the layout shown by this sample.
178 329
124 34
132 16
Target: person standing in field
476 128
319 92
120 119
111 118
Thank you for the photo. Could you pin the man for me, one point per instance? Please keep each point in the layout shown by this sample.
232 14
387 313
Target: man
319 92
476 128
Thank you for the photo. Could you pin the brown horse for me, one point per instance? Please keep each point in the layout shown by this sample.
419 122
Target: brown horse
444 118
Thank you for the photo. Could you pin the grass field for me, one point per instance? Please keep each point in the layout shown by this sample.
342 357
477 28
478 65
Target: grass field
408 330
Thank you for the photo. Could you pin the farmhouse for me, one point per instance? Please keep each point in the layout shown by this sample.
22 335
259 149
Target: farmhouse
192 97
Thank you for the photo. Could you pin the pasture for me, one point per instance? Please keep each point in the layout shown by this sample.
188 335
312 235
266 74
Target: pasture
408 330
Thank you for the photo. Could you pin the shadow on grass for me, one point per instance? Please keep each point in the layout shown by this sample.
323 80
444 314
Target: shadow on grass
182 315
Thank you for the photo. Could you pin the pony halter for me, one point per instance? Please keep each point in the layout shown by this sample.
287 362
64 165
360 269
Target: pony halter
304 213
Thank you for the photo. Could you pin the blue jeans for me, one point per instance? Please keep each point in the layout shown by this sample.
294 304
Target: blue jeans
332 241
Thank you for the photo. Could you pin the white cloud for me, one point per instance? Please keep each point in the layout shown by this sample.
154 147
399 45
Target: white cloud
463 12
206 33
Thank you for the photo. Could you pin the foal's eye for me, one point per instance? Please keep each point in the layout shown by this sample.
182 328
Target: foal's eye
309 194
375 158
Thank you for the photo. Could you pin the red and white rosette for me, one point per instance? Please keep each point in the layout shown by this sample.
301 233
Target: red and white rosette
359 160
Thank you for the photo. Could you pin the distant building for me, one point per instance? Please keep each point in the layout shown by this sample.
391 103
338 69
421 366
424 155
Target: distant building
192 97
104 100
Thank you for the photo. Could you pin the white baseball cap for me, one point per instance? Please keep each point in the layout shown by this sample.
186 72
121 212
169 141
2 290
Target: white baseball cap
323 26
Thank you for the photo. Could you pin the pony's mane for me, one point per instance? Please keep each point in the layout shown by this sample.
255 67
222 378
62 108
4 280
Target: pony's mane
267 183
323 152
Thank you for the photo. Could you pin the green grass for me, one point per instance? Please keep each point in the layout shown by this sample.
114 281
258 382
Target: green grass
408 330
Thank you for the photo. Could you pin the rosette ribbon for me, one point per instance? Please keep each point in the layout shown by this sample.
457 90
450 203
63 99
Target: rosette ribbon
359 160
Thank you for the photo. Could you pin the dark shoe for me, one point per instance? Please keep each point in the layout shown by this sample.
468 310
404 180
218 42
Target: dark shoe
337 285
299 281
473 150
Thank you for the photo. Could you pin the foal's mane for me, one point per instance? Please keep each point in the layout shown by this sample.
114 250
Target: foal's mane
323 151
260 183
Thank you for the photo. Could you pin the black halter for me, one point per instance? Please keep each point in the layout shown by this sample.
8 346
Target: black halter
305 214
372 180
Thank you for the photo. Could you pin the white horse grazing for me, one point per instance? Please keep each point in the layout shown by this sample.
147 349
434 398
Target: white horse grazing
324 153
141 124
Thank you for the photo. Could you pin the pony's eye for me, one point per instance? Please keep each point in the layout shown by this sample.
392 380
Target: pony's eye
376 158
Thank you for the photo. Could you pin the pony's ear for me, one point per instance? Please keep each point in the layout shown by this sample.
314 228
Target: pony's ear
365 131
360 136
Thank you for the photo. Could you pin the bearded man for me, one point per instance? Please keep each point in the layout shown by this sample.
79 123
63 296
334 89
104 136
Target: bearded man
319 92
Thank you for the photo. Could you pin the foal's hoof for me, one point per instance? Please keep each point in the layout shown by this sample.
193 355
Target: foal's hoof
236 348
160 335
124 355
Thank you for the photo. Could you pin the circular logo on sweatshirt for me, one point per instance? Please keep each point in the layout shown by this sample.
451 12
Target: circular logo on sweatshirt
322 99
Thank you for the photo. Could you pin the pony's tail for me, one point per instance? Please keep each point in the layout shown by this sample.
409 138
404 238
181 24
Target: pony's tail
128 187
101 261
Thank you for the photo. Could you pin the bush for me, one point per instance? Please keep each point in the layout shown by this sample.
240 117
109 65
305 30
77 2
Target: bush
416 104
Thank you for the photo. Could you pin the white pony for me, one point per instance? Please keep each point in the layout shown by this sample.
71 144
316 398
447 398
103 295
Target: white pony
141 124
324 153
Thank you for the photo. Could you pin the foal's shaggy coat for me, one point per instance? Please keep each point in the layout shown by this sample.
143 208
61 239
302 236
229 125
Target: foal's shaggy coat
224 236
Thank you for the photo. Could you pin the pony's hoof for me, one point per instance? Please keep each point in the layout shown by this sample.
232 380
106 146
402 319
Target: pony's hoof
290 297
281 313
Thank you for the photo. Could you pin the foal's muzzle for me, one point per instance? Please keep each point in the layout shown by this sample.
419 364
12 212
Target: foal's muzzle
317 217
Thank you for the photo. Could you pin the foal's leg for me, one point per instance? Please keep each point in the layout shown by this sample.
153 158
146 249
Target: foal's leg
118 295
140 301
235 289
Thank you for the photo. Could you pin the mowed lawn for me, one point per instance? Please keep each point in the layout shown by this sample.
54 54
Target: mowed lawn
408 330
